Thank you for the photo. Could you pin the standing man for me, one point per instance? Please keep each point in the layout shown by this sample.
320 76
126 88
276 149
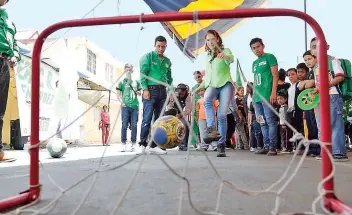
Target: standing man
266 77
129 91
154 65
9 55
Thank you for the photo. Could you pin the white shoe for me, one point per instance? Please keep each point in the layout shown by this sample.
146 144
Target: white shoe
253 149
132 147
140 150
156 150
124 148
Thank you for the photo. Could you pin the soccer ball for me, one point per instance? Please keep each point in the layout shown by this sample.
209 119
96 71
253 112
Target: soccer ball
56 147
168 132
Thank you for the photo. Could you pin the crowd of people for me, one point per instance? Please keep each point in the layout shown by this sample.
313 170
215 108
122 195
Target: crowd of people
226 116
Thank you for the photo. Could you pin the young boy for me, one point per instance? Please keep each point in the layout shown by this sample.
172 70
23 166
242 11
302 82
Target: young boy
285 132
202 121
336 76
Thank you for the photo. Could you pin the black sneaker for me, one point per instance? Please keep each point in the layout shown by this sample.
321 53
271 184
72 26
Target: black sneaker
340 158
211 135
221 151
261 151
271 152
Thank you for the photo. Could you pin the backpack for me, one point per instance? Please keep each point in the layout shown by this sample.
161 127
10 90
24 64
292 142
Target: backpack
345 87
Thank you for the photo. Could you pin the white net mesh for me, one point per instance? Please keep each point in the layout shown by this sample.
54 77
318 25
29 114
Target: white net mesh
93 182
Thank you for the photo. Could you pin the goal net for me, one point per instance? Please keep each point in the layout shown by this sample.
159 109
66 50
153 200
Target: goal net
186 181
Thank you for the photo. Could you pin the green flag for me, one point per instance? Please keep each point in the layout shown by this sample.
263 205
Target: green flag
238 75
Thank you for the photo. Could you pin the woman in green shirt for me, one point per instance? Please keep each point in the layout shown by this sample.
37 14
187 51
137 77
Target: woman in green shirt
218 84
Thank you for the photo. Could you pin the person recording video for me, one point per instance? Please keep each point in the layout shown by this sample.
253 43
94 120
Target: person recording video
184 98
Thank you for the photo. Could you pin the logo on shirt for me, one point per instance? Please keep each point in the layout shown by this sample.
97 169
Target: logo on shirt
262 63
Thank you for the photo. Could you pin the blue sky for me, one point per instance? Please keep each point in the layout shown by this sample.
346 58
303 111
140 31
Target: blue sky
283 36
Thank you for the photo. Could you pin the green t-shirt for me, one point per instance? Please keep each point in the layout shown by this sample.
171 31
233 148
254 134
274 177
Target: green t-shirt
8 31
263 79
129 92
218 70
154 67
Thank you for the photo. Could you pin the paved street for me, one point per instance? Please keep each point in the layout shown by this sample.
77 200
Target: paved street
156 190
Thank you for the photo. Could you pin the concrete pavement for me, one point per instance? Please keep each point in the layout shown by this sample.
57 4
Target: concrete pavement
156 190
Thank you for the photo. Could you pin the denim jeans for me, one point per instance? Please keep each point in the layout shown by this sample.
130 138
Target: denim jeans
151 107
268 125
129 115
256 135
224 94
337 126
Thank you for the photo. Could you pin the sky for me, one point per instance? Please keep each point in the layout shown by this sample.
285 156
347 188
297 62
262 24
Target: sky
282 36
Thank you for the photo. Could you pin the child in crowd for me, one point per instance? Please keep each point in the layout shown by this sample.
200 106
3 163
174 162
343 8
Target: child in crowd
336 76
285 132
255 132
241 134
294 112
104 125
202 121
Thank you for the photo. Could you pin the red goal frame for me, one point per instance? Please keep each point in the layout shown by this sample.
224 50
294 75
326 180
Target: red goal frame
331 202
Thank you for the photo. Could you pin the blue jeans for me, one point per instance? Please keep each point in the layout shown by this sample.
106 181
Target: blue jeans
337 126
256 135
129 115
151 107
224 94
268 125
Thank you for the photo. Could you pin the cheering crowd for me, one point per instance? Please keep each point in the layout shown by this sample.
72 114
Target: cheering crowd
226 117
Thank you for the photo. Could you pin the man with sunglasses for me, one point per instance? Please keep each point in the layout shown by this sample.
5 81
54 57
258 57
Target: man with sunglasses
9 55
154 68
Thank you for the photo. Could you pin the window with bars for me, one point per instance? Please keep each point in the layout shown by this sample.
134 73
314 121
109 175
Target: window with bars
91 62
109 72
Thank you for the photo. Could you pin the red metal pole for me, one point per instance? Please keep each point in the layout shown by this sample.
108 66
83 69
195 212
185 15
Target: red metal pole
178 16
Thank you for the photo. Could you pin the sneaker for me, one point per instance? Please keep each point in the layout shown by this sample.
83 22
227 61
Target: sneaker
252 149
156 150
212 148
340 158
271 152
262 151
221 150
132 146
140 150
182 148
286 151
124 147
211 135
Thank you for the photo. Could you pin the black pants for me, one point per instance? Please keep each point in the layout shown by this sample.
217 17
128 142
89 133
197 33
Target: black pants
285 136
231 126
312 131
4 90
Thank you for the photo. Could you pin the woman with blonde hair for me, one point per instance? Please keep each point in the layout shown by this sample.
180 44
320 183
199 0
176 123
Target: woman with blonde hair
218 84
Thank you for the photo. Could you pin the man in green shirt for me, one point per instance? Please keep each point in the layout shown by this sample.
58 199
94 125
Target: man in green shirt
156 66
266 77
9 55
129 91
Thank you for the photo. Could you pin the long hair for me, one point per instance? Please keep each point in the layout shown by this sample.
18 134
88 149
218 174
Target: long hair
218 40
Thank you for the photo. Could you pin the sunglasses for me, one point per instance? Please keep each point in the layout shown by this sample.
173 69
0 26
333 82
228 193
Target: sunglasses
198 76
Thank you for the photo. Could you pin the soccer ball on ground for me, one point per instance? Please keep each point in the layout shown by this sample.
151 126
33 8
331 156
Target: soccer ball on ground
168 132
56 147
